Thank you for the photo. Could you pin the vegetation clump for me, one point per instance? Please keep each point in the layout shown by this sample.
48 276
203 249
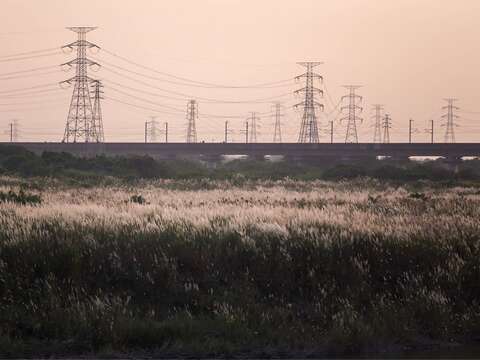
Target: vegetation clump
138 199
21 197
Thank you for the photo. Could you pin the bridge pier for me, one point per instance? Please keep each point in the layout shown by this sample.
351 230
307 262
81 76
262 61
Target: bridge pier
256 157
452 162
211 160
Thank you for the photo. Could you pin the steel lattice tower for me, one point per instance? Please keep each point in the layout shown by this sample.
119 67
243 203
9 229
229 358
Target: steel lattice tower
153 129
450 116
377 134
277 134
192 116
353 110
97 110
253 127
387 125
80 121
309 127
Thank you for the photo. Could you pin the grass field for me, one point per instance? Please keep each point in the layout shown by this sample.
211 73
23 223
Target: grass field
209 267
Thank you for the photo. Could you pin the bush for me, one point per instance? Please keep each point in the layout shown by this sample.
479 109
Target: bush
22 198
138 199
341 172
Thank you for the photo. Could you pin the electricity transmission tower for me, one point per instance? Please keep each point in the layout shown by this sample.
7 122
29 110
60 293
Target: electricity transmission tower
13 131
253 127
309 127
80 120
226 132
151 130
192 116
450 116
277 133
387 125
97 110
377 134
353 110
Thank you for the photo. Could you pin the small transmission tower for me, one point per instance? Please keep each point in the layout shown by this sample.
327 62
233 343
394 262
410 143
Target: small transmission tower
192 116
277 133
252 133
309 127
377 134
450 116
97 110
80 120
152 129
352 117
13 131
387 125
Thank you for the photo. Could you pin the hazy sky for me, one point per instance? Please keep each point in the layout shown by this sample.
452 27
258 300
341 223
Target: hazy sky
407 54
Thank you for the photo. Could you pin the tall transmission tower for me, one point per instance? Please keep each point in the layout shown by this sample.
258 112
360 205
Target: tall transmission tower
450 117
97 110
80 120
252 132
277 133
377 134
352 117
309 127
387 125
192 116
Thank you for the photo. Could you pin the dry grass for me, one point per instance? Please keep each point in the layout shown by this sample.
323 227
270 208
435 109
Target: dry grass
347 265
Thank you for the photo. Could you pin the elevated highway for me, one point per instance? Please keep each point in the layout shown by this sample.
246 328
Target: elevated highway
292 151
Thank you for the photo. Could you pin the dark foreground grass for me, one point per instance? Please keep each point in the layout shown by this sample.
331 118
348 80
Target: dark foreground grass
182 290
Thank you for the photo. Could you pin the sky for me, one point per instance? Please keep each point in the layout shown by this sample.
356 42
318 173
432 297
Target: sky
156 55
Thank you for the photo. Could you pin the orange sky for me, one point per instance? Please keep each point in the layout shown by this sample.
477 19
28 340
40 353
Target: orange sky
407 54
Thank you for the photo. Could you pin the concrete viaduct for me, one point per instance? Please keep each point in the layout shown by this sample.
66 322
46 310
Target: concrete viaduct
321 152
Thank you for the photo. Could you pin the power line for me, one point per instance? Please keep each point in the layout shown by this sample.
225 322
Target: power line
139 106
189 96
190 80
271 85
30 52
29 75
28 88
32 102
29 70
28 94
30 57
177 109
